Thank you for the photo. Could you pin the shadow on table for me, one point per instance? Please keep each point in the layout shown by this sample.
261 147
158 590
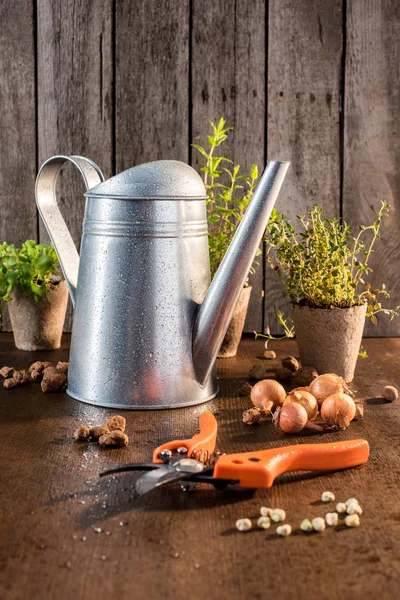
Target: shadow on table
117 496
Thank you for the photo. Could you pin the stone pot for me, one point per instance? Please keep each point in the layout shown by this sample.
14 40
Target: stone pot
39 325
329 339
234 334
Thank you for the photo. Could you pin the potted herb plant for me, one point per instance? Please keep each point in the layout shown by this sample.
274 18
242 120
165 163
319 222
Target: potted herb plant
36 295
325 270
229 194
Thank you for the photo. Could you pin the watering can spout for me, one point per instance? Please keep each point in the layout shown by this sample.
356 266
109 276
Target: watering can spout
216 311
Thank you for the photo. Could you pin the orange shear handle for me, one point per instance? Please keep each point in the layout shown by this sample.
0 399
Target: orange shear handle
259 469
203 441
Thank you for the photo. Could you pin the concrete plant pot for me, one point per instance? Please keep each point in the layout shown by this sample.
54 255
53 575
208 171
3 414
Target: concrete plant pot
39 325
234 334
329 339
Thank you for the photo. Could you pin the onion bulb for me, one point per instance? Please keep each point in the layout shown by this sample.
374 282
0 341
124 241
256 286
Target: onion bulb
293 418
338 409
306 400
267 395
326 385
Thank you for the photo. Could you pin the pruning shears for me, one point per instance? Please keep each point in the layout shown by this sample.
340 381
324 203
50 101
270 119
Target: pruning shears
192 461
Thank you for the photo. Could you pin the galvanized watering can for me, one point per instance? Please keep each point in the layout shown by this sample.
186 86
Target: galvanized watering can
148 325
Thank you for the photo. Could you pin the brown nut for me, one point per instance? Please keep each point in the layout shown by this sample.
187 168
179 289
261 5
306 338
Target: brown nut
269 354
82 433
114 439
6 372
390 393
283 374
22 376
37 368
305 376
245 389
10 383
62 366
96 432
257 371
53 380
116 422
251 416
290 362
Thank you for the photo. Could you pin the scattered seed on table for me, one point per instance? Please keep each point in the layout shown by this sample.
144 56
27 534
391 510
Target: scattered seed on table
353 508
352 520
332 519
264 522
278 515
318 524
265 512
327 497
284 530
243 524
306 525
341 507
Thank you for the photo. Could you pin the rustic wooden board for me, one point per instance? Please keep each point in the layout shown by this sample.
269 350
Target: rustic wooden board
75 98
228 80
372 136
304 59
152 81
18 220
66 533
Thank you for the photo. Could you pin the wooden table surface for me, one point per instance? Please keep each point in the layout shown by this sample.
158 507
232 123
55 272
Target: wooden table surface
65 533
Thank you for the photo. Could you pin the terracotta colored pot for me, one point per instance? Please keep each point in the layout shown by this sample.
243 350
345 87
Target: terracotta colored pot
234 334
329 339
39 325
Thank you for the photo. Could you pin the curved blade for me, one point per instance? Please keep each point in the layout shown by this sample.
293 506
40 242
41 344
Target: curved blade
161 476
180 469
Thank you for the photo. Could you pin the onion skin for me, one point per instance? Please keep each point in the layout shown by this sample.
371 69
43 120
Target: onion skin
267 395
338 409
326 385
292 418
307 401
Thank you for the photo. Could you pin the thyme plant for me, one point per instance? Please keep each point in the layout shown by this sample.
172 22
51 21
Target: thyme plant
323 265
228 191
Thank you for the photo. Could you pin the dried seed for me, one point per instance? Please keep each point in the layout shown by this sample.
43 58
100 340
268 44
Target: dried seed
284 530
327 497
243 525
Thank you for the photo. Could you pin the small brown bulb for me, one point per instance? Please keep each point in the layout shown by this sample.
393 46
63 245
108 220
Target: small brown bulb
257 371
290 362
305 375
116 422
251 416
82 433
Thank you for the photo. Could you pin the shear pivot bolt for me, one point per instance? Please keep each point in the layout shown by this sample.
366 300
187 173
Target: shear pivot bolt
182 450
165 455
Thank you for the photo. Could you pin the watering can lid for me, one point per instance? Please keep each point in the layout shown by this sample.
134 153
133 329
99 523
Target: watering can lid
169 179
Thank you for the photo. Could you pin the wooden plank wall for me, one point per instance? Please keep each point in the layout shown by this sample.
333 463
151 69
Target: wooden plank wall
123 82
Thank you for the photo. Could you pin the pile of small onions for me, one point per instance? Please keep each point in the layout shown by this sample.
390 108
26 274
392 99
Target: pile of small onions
297 411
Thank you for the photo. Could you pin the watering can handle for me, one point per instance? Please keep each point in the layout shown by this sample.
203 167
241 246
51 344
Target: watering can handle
57 229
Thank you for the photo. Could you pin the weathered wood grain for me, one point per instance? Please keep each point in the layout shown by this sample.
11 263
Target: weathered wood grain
372 137
304 59
66 533
75 99
18 221
152 81
228 80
